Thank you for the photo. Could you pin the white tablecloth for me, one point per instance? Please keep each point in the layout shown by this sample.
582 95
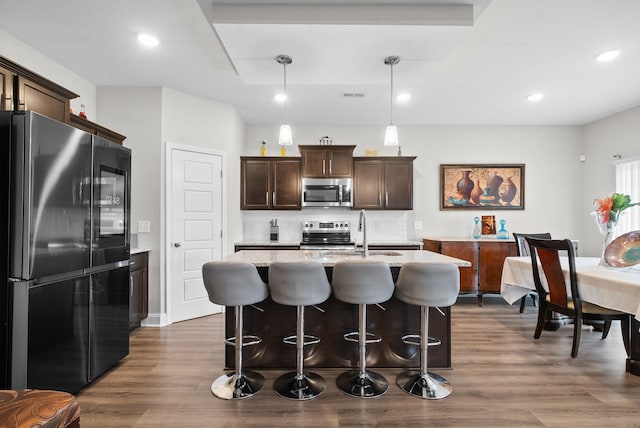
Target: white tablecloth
610 288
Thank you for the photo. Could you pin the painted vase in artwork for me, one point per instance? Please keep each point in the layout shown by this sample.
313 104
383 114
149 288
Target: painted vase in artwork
493 183
507 191
487 198
465 184
476 192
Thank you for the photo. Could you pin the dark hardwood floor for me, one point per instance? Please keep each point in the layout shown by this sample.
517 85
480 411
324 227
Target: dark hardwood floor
501 376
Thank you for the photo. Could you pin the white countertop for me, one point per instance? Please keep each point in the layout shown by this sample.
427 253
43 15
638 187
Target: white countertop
263 258
133 251
467 239
266 243
282 243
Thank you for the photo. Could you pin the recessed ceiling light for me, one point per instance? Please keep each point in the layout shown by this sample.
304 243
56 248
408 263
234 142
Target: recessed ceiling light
607 56
280 98
148 39
535 97
403 97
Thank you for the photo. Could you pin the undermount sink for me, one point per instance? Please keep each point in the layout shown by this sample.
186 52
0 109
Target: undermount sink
358 253
384 253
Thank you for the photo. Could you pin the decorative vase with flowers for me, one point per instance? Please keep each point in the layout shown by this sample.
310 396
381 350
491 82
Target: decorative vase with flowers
606 215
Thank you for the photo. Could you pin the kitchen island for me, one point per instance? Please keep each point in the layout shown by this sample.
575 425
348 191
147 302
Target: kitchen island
391 322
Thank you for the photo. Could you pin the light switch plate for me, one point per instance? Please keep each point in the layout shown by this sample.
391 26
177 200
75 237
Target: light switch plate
417 225
144 226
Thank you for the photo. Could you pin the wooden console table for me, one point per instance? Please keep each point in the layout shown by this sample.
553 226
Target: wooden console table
486 257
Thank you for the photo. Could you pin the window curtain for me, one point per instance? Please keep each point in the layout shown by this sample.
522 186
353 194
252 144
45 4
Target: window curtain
628 183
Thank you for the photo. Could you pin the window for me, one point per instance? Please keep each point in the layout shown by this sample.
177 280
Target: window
628 183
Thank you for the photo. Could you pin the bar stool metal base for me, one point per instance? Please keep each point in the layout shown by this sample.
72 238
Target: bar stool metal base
291 387
429 386
371 385
233 387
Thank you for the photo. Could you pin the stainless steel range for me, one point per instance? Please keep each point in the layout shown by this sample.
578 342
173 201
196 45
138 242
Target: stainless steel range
326 235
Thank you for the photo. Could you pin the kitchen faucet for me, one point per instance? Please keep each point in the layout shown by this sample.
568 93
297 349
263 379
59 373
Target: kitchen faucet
362 227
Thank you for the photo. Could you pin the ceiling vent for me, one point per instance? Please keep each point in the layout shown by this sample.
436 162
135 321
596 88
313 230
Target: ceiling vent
353 94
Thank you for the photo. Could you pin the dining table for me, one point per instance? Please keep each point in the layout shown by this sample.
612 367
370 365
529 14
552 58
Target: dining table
612 288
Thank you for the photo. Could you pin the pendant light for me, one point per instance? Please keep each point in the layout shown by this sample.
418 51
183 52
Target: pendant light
285 138
391 134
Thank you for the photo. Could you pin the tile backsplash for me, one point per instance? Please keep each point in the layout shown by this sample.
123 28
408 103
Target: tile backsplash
382 226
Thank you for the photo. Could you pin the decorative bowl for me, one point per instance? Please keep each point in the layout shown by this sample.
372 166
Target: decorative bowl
624 251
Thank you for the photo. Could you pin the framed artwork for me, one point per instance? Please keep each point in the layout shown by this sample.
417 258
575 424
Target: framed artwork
488 225
482 187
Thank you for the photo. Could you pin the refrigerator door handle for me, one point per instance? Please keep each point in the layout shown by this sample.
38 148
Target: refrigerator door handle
106 267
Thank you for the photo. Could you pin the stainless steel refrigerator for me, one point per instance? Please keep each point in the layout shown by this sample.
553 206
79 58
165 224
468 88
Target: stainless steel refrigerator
64 302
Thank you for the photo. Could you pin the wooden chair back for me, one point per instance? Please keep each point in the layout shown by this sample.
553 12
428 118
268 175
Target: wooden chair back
521 243
546 252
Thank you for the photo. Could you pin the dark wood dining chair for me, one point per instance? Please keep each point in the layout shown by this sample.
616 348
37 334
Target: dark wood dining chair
557 299
523 251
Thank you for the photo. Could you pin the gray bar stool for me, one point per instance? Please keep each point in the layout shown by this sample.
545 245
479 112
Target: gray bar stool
426 285
299 284
235 284
362 283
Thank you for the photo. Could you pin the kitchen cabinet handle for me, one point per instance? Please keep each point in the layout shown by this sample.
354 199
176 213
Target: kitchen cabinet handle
131 263
380 199
273 198
266 198
330 168
131 286
323 167
386 199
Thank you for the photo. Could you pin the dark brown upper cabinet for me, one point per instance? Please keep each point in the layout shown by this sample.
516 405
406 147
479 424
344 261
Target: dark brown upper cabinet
383 183
327 161
22 89
270 183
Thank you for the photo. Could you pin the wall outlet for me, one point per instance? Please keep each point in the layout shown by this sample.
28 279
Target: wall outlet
417 225
144 226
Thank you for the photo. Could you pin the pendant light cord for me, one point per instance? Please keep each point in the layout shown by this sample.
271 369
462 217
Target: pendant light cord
284 64
391 97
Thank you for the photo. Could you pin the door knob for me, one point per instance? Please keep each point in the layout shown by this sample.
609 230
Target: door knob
177 244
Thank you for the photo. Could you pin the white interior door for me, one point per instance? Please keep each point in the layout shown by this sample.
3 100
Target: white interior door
195 230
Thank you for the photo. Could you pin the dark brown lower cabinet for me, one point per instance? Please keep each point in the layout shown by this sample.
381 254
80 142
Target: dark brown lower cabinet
486 258
138 289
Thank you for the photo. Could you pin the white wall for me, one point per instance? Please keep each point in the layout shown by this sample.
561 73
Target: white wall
614 135
29 58
152 118
200 122
550 155
137 114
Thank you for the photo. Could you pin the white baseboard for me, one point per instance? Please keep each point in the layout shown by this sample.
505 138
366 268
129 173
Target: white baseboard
155 320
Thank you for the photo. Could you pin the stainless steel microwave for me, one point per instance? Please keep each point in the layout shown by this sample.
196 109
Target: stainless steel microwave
327 192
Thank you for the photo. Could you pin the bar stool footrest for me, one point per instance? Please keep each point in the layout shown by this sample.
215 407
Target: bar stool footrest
247 340
414 339
354 336
308 340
